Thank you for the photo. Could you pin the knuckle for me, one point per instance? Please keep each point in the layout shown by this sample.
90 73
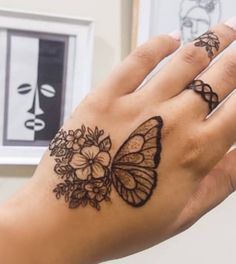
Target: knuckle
165 41
149 53
145 56
230 66
192 55
193 151
96 103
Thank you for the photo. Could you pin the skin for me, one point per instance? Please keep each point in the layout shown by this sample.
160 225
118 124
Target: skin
196 171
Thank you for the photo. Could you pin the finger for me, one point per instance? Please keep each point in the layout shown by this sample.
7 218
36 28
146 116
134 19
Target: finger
191 60
222 79
212 190
130 74
220 128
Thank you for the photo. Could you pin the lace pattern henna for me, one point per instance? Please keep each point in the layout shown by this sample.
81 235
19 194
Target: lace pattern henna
206 93
210 41
84 164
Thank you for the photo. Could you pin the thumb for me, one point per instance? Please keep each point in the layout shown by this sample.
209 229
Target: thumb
212 190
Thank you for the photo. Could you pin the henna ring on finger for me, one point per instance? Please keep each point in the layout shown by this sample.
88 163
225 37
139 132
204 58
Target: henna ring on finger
206 92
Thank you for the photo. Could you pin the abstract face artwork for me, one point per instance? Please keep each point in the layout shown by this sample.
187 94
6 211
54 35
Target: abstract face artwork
34 88
196 16
35 123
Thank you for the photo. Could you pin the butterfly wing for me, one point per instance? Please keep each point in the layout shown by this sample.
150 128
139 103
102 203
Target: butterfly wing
134 166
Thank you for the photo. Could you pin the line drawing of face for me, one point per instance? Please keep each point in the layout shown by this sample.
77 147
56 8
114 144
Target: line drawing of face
35 92
196 20
196 16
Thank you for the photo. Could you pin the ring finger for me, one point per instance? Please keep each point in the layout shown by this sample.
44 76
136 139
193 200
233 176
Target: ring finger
213 85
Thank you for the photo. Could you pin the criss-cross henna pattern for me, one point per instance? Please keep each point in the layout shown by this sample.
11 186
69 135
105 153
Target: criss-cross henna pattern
83 163
206 93
210 41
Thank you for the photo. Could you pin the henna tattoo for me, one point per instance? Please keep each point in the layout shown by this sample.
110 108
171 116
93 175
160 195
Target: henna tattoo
83 162
210 41
206 93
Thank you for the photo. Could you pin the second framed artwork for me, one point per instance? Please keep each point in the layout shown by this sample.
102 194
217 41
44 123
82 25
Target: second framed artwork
45 71
191 17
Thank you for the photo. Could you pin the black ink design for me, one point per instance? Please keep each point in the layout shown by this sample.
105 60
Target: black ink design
206 93
35 123
197 16
84 164
35 95
210 41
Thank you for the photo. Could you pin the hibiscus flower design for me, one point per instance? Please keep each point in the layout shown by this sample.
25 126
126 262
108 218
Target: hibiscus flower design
74 139
96 190
90 162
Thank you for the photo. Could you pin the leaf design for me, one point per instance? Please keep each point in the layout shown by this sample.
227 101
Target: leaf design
105 144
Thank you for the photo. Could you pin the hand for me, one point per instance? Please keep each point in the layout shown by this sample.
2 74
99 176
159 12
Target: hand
128 169
211 191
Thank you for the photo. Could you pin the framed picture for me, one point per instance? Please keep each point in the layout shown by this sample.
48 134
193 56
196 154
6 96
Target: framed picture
192 17
45 71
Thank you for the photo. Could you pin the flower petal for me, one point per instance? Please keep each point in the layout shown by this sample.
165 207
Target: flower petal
91 195
69 144
103 190
81 141
78 161
83 174
98 170
76 146
90 152
89 187
78 194
78 133
103 158
99 197
98 184
70 138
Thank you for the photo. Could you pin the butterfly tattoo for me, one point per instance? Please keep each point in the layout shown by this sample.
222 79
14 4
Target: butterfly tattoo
88 173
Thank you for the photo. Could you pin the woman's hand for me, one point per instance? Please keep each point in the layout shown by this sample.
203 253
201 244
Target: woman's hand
128 169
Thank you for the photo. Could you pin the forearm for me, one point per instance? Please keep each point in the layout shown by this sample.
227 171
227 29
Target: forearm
37 228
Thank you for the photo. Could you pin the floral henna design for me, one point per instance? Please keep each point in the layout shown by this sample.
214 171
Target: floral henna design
84 164
82 161
210 41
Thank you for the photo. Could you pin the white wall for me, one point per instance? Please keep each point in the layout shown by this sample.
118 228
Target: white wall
211 240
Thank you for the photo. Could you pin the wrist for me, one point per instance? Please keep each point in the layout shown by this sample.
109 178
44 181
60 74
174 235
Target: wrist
36 229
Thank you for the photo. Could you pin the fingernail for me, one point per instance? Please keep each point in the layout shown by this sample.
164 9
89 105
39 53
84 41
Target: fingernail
176 35
231 23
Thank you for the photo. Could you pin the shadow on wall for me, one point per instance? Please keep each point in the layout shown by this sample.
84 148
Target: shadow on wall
126 27
16 171
106 52
12 178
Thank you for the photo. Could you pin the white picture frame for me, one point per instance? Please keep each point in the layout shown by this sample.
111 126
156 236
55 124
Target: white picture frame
79 32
